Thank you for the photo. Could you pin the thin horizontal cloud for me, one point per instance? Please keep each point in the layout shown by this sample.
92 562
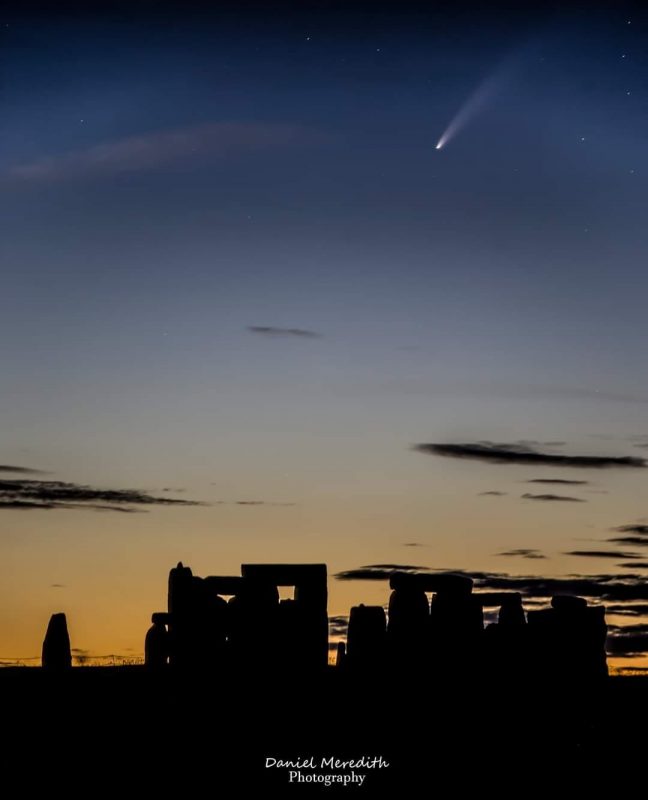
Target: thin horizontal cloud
399 567
536 443
269 330
516 454
560 481
20 470
377 572
37 494
251 503
28 504
25 504
604 587
493 493
634 565
553 498
522 553
57 586
635 540
601 587
602 554
156 149
638 528
629 610
630 630
413 544
338 625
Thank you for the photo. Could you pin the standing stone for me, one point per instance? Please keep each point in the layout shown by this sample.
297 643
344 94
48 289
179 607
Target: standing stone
156 644
366 638
407 629
340 657
56 645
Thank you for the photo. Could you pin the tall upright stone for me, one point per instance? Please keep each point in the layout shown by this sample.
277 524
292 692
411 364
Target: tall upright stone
57 654
408 626
156 643
366 638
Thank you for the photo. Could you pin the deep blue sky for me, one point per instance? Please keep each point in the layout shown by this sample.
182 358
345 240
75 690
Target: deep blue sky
172 177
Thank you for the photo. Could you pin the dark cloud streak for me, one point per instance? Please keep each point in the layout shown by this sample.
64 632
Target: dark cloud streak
561 481
522 553
636 540
20 470
377 572
515 454
552 498
606 587
34 494
641 530
601 554
268 330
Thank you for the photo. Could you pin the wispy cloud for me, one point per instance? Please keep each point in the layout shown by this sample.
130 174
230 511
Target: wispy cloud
607 587
156 149
602 554
20 470
629 610
635 540
552 498
559 481
493 493
638 528
517 454
269 330
251 503
522 553
536 443
630 639
36 494
377 572
338 625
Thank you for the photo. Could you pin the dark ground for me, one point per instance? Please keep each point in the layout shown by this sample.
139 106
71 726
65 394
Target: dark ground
126 730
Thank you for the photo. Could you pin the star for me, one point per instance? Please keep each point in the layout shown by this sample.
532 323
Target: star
582 138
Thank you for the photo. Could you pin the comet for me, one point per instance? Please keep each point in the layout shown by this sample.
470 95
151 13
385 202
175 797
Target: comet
471 108
480 97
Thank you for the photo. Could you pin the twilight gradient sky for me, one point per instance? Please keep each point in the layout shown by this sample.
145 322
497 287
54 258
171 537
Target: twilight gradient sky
173 178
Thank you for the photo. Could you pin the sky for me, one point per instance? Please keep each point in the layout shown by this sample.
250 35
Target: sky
242 285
